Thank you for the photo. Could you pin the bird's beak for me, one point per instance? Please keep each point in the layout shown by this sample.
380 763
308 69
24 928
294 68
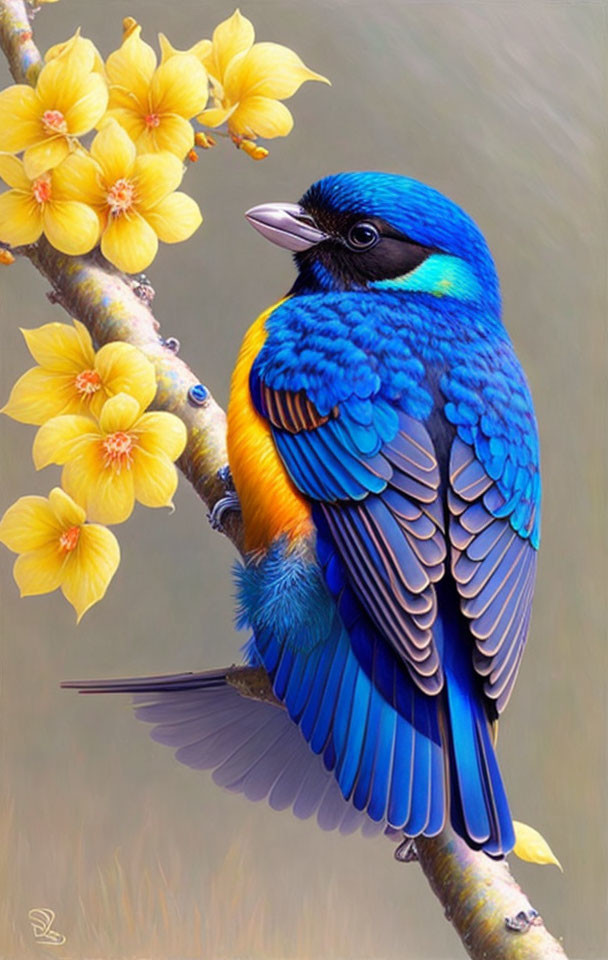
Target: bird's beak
286 224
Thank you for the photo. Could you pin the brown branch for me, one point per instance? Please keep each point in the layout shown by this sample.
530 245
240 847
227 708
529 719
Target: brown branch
492 916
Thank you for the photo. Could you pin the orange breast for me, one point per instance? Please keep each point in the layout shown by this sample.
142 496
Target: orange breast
271 504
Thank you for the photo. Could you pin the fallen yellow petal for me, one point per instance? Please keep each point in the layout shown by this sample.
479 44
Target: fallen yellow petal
530 845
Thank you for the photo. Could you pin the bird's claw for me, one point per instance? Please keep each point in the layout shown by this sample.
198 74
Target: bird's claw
406 851
224 505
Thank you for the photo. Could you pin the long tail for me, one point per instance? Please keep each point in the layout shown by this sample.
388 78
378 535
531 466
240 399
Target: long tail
253 747
479 810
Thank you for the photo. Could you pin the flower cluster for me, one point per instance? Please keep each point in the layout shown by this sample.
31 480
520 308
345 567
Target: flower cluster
90 408
122 190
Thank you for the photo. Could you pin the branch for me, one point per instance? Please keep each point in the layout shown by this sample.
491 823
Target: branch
492 916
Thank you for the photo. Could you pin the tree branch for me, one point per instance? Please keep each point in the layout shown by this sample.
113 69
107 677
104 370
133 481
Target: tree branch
492 916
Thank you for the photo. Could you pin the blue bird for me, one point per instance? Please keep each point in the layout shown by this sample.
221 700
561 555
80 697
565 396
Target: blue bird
384 451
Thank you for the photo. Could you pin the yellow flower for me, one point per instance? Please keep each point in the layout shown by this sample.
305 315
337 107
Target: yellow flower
249 79
33 207
58 549
69 100
155 105
133 196
72 378
128 456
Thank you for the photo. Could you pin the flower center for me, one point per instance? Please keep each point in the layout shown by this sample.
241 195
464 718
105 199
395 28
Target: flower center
54 121
152 120
87 382
117 449
41 188
120 196
68 541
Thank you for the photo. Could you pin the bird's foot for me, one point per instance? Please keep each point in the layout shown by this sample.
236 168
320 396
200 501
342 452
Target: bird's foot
229 502
406 852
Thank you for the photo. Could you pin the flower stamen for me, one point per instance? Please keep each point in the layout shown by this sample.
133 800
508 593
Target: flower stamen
121 196
117 451
41 188
68 540
54 121
152 120
87 382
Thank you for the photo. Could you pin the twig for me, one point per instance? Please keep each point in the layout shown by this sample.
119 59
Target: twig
492 916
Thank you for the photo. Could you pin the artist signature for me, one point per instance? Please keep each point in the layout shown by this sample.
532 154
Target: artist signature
42 920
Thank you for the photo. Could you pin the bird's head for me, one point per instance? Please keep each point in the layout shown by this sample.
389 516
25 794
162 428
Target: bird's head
381 231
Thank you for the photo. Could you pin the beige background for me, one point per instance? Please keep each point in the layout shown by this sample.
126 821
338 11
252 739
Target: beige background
502 106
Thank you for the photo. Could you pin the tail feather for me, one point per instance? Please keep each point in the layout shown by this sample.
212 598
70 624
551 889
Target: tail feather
479 810
253 747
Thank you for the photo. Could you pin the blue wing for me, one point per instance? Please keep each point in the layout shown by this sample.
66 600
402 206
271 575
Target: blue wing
379 493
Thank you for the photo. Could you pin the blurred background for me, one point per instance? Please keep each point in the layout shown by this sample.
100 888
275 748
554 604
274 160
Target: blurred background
503 107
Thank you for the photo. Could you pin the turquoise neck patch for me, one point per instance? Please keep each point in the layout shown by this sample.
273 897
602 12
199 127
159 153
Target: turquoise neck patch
439 275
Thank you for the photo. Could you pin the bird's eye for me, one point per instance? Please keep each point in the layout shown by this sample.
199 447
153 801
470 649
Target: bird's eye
362 235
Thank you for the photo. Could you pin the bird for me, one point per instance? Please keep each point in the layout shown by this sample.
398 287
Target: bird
384 455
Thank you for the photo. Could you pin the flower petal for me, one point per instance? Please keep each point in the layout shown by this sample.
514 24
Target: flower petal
267 70
79 178
90 568
20 218
173 134
163 433
129 243
155 479
131 67
125 369
39 571
179 86
130 119
106 495
29 524
231 37
215 116
119 413
61 439
70 226
530 845
66 510
86 112
44 156
60 48
175 218
39 395
114 151
60 347
20 114
201 50
156 175
12 172
61 80
261 117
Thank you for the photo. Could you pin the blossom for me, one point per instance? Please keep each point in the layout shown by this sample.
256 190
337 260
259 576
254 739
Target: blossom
72 379
155 104
133 196
69 99
248 81
58 549
127 456
33 207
